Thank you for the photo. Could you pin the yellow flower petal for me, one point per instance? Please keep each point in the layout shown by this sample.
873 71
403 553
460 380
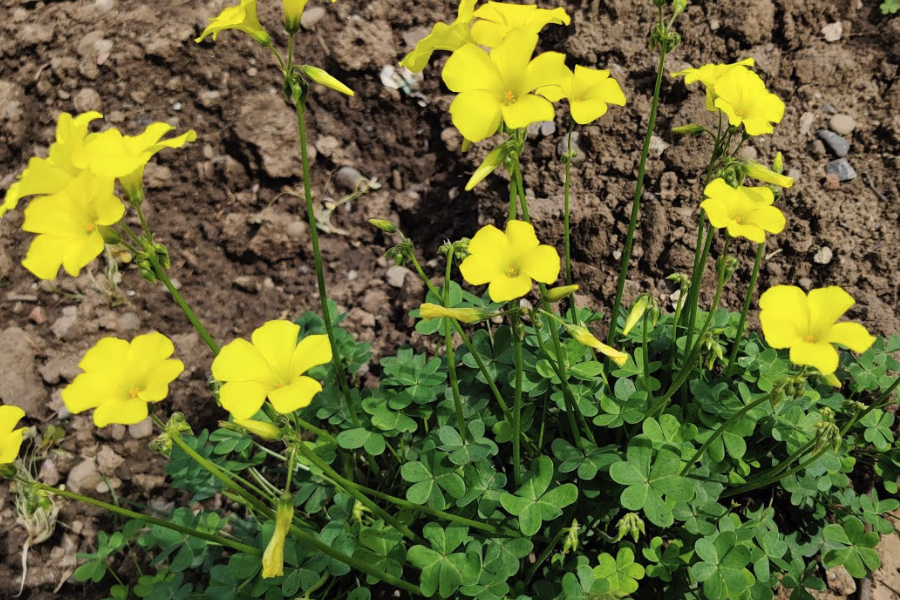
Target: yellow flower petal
497 20
741 94
242 361
44 257
243 399
276 341
504 288
512 58
547 69
479 269
295 396
147 351
751 232
490 240
108 351
242 18
826 305
526 110
784 315
471 68
442 37
90 390
767 218
587 111
10 445
312 351
79 253
541 264
9 418
760 195
122 412
820 355
157 380
852 335
521 236
476 114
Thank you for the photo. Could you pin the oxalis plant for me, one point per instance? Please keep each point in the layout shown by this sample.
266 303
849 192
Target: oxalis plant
686 457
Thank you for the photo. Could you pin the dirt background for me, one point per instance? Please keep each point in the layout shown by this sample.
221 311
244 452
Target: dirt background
240 248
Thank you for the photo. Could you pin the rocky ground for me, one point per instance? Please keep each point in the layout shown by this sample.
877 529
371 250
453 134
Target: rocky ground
227 205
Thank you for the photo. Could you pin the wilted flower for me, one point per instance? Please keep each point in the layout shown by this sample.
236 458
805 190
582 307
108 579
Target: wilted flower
272 366
757 171
589 92
807 324
243 18
10 437
509 261
121 377
68 225
745 211
500 85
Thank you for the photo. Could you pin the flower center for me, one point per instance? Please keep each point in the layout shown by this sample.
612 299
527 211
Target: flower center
739 112
737 219
90 228
809 338
512 271
509 98
133 392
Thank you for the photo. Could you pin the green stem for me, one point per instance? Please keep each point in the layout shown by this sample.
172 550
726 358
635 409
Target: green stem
546 552
570 408
773 475
720 431
316 430
566 241
513 197
563 372
209 537
517 405
451 355
179 300
696 281
320 273
760 250
645 350
636 202
352 489
520 186
675 321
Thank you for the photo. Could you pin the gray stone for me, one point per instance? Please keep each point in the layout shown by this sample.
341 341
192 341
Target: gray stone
348 178
833 32
327 145
840 582
841 169
806 122
86 100
311 16
842 124
657 146
838 145
20 384
128 322
748 153
563 146
823 256
141 430
84 477
818 147
396 275
296 230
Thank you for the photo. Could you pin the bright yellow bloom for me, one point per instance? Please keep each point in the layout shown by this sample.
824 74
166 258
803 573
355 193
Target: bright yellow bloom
464 315
588 91
746 211
757 171
509 261
10 437
443 37
111 154
273 557
708 75
499 85
272 366
742 95
807 324
583 336
121 377
64 163
242 18
67 224
293 10
496 20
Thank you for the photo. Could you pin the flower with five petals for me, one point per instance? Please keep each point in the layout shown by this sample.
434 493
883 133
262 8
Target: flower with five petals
499 85
272 367
807 324
742 95
589 92
121 377
509 260
745 211
708 75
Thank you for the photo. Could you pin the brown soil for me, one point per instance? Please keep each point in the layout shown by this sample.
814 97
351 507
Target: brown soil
240 250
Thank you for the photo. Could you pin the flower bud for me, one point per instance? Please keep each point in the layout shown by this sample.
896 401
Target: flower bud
273 557
678 7
757 171
491 162
384 225
778 163
583 336
464 315
637 311
571 542
631 524
689 129
265 431
322 77
293 10
558 293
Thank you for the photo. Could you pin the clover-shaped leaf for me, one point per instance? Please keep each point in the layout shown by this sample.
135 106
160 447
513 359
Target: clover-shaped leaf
771 548
474 448
503 555
430 477
485 484
443 570
666 559
879 429
359 437
722 566
852 546
587 462
647 483
533 503
621 573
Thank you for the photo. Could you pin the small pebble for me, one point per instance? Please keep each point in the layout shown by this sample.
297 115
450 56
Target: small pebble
838 145
657 146
841 169
833 32
348 178
806 122
823 256
748 153
806 283
311 16
842 124
818 147
563 146
296 229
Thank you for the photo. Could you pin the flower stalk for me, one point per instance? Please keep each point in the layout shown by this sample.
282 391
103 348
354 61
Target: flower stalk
760 251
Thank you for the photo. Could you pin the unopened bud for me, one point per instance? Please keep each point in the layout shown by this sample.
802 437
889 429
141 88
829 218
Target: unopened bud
109 235
273 557
571 542
637 311
265 431
558 293
689 129
631 524
678 7
583 336
491 163
464 315
322 77
384 225
778 163
755 170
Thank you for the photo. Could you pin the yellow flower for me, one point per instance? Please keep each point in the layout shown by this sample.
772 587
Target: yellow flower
757 171
242 18
746 211
293 10
273 557
496 20
807 324
742 95
464 315
708 75
442 37
64 163
68 225
121 377
499 85
588 91
272 366
583 336
509 261
114 155
10 437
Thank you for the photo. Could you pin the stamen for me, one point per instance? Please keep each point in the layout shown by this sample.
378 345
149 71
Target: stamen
509 98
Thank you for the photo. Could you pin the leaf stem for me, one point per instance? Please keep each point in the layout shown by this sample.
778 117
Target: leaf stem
760 250
451 355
